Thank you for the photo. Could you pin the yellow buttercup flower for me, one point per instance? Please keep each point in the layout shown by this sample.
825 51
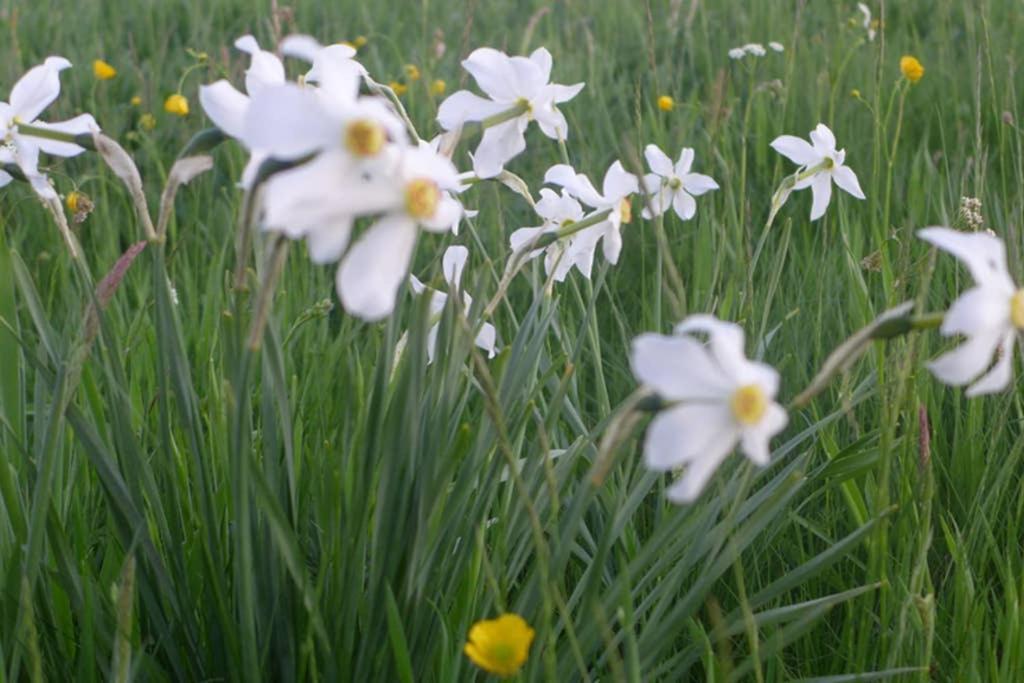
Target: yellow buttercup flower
136 101
438 87
102 70
412 72
176 104
666 103
911 68
147 121
855 94
73 200
500 646
399 88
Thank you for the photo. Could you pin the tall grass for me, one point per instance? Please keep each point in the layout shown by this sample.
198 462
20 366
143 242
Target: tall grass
177 506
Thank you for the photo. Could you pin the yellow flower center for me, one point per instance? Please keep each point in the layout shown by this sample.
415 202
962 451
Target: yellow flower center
421 198
364 137
626 210
748 404
1017 309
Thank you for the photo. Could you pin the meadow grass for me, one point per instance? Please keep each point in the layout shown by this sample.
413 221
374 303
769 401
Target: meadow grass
353 513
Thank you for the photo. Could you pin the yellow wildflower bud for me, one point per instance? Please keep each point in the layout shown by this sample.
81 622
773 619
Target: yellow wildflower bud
666 103
855 94
412 72
71 201
399 88
438 87
911 68
359 41
500 646
135 101
147 121
102 70
176 104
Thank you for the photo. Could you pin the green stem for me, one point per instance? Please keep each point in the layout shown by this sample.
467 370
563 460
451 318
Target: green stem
80 139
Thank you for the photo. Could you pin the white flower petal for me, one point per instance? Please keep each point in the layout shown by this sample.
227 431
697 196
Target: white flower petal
37 89
452 264
83 123
563 93
684 205
463 106
821 194
755 440
611 244
679 368
493 72
983 254
225 106
577 184
846 179
697 184
967 361
375 267
618 183
658 161
979 308
795 149
326 244
288 122
552 122
726 340
823 140
487 339
682 434
685 162
303 47
1001 374
499 145
542 58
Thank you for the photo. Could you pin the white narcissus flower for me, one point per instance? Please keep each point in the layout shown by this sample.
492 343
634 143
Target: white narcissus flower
453 262
616 189
508 82
33 93
719 398
673 185
558 211
227 107
415 194
990 314
820 165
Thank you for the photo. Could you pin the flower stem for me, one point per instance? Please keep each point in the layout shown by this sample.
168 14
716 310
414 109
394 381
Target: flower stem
80 139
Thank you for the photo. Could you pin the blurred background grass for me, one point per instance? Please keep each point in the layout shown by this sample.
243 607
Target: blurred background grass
382 491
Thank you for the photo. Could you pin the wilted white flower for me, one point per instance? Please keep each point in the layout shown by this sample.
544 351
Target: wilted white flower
33 93
718 398
990 314
737 53
453 262
820 164
559 212
673 186
511 83
616 189
867 23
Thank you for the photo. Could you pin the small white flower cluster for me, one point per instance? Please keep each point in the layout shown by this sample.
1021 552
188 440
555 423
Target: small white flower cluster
754 50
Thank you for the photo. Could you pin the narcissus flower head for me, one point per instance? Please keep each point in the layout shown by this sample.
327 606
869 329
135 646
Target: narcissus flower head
820 165
990 314
718 399
673 184
500 646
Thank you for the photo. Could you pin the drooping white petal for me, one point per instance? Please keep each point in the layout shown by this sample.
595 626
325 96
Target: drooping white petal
452 264
979 308
499 145
552 122
795 149
683 434
821 194
327 243
225 106
999 377
611 243
678 368
288 122
487 339
83 123
463 106
685 206
967 361
375 267
755 440
577 184
846 179
493 72
37 89
658 161
983 254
